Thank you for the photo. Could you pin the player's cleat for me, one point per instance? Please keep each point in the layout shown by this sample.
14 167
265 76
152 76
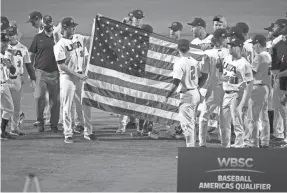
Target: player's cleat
90 137
121 129
264 146
153 135
40 128
47 123
78 129
69 140
276 139
36 123
284 146
21 119
7 135
54 129
3 137
17 133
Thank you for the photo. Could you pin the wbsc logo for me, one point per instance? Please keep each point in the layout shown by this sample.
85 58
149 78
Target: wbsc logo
233 164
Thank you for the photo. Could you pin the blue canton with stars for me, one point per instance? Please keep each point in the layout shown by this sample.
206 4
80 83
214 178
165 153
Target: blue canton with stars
119 47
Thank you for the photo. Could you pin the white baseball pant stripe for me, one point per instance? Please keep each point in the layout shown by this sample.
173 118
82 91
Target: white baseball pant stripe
16 93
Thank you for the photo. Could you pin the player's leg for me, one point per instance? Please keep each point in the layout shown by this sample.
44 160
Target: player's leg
7 108
68 92
257 101
283 111
225 121
79 116
265 128
54 96
47 114
16 92
39 94
123 121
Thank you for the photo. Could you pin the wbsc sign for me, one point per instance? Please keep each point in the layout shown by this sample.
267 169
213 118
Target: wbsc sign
232 170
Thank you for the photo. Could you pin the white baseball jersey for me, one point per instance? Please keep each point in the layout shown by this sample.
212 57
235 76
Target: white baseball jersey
239 72
187 70
72 51
20 56
206 40
4 71
248 50
261 65
215 55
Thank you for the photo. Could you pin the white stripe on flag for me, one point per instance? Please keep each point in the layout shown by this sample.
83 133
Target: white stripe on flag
159 71
131 106
131 92
130 78
160 42
162 57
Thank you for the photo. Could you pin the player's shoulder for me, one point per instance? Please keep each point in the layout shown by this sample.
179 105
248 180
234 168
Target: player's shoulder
265 57
22 46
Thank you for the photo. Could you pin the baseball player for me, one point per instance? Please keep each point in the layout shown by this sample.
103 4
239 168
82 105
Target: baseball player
175 30
186 70
214 95
237 84
201 37
20 56
258 103
279 63
6 69
137 18
68 52
129 19
219 22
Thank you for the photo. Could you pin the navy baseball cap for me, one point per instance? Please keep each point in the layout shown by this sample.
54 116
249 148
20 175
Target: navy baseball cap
234 41
34 16
12 30
236 32
4 37
182 43
243 26
147 28
68 22
220 18
4 23
259 39
47 20
198 22
218 33
281 22
176 26
137 14
270 28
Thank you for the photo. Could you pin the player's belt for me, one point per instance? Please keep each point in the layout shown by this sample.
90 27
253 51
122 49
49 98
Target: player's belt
80 72
230 91
259 84
13 77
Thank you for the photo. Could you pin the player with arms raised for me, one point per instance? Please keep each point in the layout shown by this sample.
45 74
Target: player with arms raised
186 71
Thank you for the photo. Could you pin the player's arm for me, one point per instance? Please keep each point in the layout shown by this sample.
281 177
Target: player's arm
29 66
177 76
8 62
57 32
256 63
33 49
248 79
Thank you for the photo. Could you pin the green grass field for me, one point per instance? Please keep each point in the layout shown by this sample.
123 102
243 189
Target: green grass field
113 163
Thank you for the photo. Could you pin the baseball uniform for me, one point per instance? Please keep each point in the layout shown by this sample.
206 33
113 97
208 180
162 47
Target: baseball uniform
214 94
20 56
187 70
258 102
239 72
72 51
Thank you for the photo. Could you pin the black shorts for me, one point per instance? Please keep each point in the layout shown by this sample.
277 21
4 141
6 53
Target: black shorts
283 83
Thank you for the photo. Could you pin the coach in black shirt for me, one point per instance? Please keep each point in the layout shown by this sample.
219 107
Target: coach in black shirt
47 75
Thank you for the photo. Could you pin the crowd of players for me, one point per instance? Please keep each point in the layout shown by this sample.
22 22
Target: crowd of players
263 103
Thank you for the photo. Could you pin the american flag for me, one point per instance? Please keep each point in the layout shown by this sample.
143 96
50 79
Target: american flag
130 72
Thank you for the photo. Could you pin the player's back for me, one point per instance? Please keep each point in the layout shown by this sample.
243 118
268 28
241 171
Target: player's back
190 69
3 69
263 75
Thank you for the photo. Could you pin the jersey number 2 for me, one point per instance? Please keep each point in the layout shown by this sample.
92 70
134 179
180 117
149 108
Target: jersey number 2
192 73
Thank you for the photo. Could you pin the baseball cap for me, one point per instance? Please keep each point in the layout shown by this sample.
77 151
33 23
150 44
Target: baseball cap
4 37
47 20
218 33
234 41
12 30
270 27
4 23
220 18
281 22
259 39
182 43
137 14
147 28
34 15
243 26
176 26
68 22
198 22
235 31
